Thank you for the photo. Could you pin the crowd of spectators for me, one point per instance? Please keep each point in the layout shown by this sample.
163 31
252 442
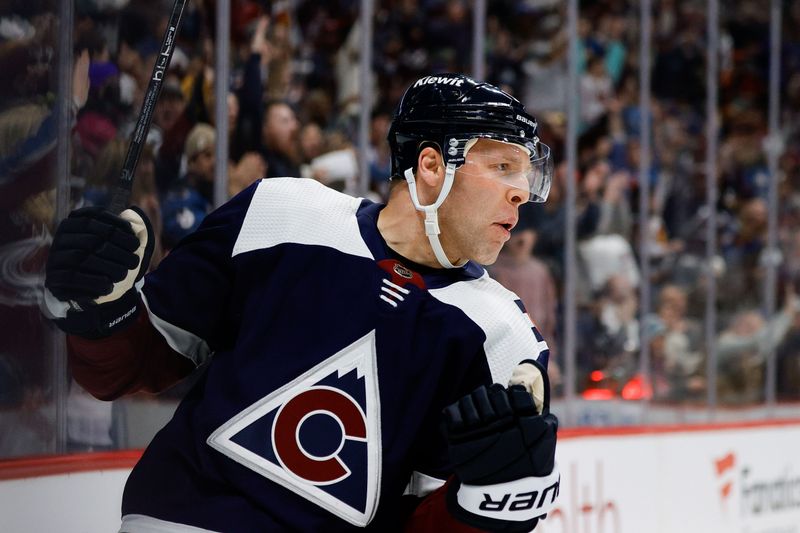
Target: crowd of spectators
293 107
610 323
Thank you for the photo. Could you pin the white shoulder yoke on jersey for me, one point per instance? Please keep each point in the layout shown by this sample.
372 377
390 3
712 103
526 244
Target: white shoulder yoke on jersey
509 333
301 211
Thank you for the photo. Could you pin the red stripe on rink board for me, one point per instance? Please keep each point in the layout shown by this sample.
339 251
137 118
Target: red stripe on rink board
621 431
53 465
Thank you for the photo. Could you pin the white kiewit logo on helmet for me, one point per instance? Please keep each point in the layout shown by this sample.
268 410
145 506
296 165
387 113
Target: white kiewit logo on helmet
427 80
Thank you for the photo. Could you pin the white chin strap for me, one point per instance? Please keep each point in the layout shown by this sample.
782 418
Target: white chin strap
431 216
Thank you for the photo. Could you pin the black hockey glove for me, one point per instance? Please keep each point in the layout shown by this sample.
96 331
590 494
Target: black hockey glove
503 454
95 260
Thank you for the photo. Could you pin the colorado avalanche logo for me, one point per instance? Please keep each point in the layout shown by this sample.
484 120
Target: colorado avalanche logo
319 435
341 419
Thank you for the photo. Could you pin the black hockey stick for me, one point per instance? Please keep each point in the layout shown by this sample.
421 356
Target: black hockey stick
122 190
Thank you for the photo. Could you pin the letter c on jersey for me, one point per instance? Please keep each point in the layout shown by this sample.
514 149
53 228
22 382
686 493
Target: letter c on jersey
286 429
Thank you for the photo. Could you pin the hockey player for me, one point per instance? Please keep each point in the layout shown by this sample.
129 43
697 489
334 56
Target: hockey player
361 368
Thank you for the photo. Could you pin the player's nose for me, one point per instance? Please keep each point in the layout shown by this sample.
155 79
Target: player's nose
517 196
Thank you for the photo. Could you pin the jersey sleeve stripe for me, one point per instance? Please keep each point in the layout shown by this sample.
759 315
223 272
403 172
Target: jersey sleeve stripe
184 342
421 485
139 523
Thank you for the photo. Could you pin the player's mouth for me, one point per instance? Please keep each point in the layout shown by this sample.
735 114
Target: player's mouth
506 226
508 223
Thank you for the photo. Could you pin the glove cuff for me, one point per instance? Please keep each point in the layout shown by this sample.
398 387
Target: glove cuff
512 506
544 406
95 321
143 230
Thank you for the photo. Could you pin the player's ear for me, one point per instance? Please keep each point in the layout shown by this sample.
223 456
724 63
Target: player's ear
430 167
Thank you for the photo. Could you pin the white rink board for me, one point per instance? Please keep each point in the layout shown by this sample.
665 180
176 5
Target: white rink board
671 482
659 482
81 502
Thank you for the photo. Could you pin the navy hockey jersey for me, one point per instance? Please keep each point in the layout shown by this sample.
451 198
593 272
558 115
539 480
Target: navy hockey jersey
332 360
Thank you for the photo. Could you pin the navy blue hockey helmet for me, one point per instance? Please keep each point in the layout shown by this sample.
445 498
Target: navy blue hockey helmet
451 111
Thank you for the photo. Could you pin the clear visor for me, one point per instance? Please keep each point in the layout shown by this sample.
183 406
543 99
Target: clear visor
528 168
